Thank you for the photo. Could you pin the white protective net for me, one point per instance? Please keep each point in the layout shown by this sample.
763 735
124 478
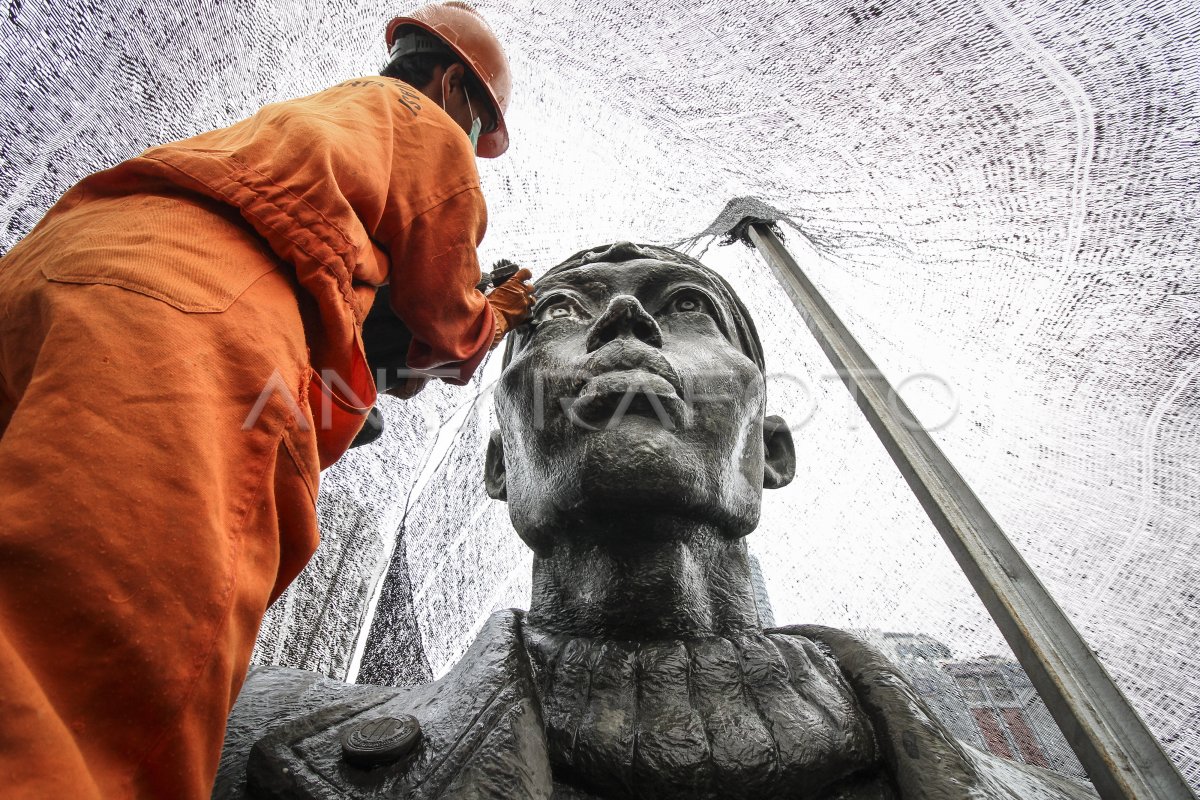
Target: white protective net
999 194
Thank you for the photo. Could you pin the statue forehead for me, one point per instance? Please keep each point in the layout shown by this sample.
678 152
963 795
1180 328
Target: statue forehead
646 274
644 278
602 278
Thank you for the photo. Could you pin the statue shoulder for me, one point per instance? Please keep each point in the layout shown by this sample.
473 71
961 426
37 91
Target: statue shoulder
272 697
848 650
920 753
475 732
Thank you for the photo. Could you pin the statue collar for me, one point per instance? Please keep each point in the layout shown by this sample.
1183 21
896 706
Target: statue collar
483 729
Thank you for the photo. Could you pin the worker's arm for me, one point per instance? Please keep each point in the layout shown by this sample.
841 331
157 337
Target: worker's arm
430 218
434 292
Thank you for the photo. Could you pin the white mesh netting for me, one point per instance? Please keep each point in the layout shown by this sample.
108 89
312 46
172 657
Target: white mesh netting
1000 194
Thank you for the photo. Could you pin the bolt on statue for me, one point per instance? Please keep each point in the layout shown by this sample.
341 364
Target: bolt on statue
641 669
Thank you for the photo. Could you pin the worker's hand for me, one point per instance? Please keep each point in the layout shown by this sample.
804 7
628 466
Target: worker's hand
511 302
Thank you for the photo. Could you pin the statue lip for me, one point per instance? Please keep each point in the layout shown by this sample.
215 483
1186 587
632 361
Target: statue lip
608 397
630 357
627 376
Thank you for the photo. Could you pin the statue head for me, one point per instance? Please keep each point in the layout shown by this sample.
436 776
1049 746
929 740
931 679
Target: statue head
634 398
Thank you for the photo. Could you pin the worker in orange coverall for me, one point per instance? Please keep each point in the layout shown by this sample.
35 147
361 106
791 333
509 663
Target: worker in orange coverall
180 355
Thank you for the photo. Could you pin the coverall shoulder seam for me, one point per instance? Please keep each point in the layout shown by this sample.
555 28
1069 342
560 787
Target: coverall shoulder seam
469 176
443 202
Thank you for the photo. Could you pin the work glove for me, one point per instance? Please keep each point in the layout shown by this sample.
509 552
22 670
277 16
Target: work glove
511 302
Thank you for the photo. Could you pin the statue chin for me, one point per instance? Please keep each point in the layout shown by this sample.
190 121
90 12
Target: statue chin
638 468
612 479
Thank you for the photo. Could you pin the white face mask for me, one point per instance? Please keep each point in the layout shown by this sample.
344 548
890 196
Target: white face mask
476 123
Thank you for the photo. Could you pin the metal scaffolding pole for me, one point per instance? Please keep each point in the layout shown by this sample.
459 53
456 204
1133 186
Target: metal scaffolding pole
1121 756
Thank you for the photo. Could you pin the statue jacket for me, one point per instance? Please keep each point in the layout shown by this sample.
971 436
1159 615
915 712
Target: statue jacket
483 735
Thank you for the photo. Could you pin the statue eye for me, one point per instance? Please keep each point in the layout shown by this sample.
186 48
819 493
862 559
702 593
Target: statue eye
559 308
688 302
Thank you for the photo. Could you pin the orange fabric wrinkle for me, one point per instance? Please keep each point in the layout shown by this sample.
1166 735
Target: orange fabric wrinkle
173 334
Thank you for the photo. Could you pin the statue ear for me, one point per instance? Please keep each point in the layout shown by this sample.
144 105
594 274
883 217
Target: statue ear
494 476
779 454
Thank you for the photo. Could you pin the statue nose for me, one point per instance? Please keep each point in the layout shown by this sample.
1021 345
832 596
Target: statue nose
624 317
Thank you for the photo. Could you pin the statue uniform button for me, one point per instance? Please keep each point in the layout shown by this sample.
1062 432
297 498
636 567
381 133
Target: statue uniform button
378 741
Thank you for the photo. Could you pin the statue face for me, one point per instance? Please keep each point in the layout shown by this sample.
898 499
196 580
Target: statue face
629 401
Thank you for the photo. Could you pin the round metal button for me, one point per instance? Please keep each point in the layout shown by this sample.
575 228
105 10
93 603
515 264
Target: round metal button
378 741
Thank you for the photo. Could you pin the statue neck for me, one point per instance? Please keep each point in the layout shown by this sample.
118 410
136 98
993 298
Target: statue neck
666 579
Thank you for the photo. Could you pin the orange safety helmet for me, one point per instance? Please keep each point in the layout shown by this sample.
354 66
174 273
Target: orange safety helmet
466 33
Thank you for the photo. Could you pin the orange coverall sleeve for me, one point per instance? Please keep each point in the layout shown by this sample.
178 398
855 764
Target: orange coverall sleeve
423 205
443 241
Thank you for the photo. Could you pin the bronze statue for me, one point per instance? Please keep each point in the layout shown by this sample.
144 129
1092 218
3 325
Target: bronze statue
632 452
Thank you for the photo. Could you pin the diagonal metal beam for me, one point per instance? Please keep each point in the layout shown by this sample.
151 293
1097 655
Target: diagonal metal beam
1121 756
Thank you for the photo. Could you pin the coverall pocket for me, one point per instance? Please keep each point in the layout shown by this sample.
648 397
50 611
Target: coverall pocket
192 253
